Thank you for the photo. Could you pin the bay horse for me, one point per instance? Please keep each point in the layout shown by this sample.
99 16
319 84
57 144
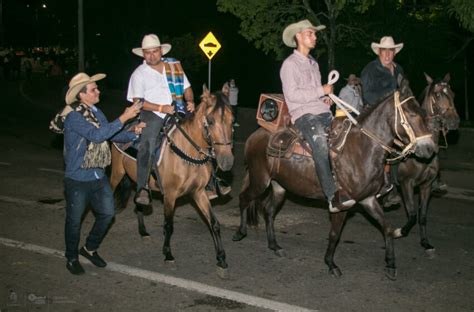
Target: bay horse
185 167
358 167
438 103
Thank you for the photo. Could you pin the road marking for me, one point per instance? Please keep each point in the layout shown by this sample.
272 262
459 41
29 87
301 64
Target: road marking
459 193
168 280
51 170
5 163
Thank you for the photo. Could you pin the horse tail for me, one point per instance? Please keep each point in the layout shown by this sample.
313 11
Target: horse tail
122 193
252 212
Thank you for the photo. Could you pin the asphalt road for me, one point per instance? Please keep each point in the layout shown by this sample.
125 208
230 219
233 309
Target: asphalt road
33 274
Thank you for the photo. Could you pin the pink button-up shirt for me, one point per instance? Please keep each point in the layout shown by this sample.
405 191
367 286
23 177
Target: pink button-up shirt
302 88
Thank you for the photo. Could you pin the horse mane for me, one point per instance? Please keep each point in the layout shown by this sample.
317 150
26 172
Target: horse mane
405 92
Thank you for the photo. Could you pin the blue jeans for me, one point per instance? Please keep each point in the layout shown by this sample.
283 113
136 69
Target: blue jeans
313 128
149 141
78 195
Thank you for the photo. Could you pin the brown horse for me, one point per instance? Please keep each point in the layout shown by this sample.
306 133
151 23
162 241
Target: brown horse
358 166
185 167
438 103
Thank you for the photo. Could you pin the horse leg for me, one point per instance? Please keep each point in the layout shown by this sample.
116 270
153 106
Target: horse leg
204 205
272 207
168 226
372 206
425 193
408 194
141 222
337 222
247 200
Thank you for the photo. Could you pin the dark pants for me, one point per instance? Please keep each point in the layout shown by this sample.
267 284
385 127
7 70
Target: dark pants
78 194
234 112
313 128
149 141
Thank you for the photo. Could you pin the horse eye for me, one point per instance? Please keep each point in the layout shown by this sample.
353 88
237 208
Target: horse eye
210 121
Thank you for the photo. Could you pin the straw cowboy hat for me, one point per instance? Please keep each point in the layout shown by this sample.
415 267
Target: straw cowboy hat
77 83
152 41
386 43
292 29
353 79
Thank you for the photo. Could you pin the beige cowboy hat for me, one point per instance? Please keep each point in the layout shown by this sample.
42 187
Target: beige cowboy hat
386 43
152 41
77 83
292 29
353 79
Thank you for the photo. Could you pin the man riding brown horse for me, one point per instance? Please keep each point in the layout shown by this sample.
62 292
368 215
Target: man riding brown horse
309 110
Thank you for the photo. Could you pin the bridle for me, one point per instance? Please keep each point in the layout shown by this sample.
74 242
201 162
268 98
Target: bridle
436 113
406 148
208 151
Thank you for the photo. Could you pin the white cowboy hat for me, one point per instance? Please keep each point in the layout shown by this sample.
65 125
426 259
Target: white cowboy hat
292 29
386 43
77 83
152 41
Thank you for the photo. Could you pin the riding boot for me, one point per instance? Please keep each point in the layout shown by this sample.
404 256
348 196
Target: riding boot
439 188
387 185
217 186
143 197
340 201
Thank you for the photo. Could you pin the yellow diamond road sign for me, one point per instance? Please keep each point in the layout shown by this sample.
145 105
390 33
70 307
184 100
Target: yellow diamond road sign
209 45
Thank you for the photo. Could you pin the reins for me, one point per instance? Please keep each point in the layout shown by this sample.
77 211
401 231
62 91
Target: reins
334 76
208 152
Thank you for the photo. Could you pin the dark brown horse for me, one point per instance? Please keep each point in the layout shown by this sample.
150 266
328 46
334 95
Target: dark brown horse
438 103
358 166
185 167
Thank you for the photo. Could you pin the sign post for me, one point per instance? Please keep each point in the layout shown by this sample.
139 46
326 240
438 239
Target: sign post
209 45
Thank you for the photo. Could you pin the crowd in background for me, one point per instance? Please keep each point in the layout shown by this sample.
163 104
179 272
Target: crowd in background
39 61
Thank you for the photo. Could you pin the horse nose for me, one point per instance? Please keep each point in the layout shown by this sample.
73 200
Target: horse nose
425 148
225 163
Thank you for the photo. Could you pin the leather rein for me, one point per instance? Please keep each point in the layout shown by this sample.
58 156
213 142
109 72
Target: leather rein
208 151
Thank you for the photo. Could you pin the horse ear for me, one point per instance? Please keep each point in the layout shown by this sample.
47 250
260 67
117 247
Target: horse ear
404 86
429 80
400 79
226 89
447 77
205 90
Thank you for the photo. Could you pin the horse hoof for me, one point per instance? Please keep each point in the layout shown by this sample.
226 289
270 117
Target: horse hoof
430 253
222 272
171 264
145 236
238 236
391 273
336 272
280 253
397 233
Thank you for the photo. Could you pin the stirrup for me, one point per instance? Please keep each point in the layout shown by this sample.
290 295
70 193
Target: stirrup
143 197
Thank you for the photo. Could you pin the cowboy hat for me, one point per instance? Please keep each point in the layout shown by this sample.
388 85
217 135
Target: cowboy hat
353 79
386 43
292 29
152 41
77 83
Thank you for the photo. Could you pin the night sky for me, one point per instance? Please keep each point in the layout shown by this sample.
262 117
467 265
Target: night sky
113 28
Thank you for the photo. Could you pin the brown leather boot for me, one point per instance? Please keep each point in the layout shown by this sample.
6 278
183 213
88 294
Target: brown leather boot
143 197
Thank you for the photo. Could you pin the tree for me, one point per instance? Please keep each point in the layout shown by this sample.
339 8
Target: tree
463 10
263 21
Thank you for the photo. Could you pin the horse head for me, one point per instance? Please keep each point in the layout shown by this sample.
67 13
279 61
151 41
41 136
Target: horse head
217 117
410 126
439 102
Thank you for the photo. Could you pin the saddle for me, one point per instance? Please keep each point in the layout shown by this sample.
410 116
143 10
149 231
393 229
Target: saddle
287 142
